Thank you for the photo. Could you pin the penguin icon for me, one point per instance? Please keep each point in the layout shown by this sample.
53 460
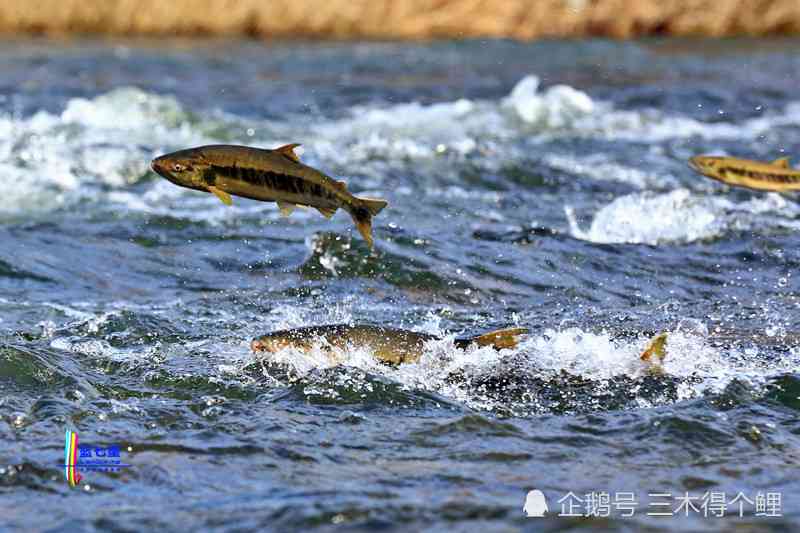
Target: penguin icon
535 504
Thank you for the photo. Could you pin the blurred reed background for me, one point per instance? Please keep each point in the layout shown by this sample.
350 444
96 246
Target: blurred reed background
401 19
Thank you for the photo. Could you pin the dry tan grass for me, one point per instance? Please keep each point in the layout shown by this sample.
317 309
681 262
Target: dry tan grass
402 19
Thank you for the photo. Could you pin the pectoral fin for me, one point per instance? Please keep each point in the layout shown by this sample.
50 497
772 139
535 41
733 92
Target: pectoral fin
782 162
286 208
224 197
326 211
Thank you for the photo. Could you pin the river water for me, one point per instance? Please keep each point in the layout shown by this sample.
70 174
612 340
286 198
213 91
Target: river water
541 185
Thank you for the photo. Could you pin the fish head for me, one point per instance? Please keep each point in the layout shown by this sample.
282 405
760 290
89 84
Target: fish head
707 165
184 167
275 342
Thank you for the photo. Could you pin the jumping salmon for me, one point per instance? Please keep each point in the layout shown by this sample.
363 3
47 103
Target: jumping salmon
390 345
776 176
266 175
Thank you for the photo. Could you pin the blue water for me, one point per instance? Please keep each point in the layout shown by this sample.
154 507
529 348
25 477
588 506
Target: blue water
542 185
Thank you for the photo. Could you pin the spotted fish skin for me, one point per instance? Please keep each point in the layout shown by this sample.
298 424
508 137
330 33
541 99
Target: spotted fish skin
266 175
776 176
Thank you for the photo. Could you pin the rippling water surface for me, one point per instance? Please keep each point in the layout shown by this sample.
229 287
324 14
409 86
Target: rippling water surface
542 185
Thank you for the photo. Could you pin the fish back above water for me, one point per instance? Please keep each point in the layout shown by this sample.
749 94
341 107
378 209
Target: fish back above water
389 345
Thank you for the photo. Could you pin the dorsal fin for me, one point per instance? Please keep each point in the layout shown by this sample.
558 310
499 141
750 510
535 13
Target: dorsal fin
288 151
782 162
341 185
498 339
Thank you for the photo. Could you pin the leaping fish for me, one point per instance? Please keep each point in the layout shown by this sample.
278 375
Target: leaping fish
267 175
390 345
776 176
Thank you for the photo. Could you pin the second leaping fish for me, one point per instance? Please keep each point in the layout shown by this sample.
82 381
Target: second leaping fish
776 176
268 175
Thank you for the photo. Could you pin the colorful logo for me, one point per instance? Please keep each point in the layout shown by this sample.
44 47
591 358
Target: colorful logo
102 458
71 459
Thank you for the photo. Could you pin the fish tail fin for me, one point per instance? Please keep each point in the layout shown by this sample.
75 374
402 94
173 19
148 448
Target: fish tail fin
362 213
373 205
499 339
656 350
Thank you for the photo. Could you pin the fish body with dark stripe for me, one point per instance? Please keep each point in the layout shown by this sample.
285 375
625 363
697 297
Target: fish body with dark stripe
776 176
265 175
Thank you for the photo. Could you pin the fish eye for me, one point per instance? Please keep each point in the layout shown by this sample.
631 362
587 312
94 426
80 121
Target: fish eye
177 167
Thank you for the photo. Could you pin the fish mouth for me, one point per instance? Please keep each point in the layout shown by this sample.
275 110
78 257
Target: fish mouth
259 345
275 345
157 167
694 164
160 167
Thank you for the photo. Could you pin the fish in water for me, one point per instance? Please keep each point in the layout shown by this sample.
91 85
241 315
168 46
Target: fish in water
396 346
776 176
267 175
390 345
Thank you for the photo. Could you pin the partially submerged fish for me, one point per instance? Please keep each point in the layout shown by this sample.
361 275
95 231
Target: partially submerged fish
395 346
655 353
656 350
776 176
390 345
267 175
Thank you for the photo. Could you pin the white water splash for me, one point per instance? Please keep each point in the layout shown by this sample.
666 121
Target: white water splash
681 216
706 364
594 356
558 107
